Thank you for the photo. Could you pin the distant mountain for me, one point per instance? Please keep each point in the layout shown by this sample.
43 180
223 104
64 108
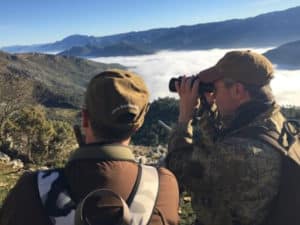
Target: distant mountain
118 49
270 29
287 55
22 48
58 46
57 80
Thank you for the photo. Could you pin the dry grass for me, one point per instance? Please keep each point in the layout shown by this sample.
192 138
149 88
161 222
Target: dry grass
8 178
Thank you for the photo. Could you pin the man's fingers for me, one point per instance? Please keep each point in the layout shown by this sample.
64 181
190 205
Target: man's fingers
187 85
195 87
184 80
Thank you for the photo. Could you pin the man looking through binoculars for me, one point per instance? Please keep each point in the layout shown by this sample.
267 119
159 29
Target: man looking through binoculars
233 178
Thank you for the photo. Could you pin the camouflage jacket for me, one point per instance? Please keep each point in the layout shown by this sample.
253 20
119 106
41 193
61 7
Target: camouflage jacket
232 180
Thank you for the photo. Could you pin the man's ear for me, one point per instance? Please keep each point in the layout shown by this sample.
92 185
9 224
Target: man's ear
84 118
240 92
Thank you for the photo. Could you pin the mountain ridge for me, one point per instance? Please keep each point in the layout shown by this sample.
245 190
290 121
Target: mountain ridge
120 48
265 30
286 55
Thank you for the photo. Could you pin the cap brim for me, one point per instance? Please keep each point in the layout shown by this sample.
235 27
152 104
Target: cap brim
209 75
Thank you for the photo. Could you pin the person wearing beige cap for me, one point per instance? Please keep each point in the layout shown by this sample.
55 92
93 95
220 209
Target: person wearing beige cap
232 175
116 102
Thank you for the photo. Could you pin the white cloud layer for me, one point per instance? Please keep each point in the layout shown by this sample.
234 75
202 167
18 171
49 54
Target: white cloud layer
157 70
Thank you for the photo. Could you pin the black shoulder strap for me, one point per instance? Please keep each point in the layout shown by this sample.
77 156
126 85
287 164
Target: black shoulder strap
135 186
146 196
286 141
268 136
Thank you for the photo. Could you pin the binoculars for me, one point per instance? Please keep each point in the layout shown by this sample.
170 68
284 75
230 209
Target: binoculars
203 87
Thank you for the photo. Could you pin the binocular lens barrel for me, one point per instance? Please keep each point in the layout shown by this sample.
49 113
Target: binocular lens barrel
172 87
203 87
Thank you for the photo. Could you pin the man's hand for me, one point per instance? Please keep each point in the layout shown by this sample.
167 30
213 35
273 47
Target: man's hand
189 99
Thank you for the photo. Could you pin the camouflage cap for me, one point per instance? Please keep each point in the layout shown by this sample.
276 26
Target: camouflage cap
244 66
117 99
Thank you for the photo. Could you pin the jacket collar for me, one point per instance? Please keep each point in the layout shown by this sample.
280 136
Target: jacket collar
103 152
247 113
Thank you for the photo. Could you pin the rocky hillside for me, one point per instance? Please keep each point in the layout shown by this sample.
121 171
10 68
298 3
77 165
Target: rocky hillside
57 80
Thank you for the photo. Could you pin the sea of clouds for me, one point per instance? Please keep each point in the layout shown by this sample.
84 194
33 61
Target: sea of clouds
157 70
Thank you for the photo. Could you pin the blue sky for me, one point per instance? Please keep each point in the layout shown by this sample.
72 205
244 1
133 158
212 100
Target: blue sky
24 22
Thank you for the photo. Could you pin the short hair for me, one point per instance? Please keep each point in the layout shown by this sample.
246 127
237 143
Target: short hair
108 133
256 92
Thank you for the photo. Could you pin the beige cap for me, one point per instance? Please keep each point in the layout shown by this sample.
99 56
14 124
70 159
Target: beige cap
244 66
117 99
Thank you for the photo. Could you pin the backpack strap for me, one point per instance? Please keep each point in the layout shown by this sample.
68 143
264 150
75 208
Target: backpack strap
262 133
286 141
53 191
136 184
145 198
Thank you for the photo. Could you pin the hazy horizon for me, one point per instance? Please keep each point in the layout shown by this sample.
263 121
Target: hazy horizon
157 69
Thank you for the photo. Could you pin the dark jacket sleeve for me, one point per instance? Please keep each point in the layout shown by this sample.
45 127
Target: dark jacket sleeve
22 204
168 197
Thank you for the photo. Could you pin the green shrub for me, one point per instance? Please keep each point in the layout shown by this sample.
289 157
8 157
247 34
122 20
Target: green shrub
39 139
